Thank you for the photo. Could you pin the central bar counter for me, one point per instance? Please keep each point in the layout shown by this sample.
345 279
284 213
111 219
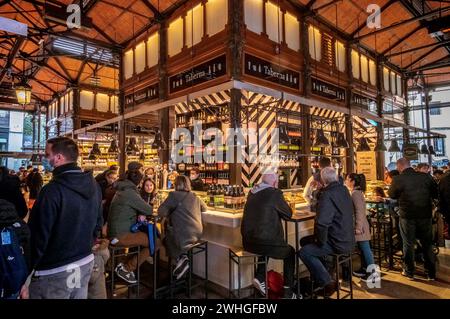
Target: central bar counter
223 231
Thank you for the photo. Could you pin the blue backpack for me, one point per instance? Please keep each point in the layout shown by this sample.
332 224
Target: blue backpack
13 268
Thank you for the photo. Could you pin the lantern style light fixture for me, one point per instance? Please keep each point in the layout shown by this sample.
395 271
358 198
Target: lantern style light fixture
431 149
23 93
113 148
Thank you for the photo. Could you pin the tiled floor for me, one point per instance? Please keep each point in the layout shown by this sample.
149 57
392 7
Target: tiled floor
393 285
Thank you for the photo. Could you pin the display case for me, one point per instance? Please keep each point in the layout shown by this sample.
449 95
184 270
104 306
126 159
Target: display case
218 201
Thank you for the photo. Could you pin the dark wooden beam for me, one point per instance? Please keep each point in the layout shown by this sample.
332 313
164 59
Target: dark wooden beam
80 71
403 22
401 40
12 55
152 8
43 84
310 4
437 45
439 63
362 25
423 56
63 67
112 4
104 34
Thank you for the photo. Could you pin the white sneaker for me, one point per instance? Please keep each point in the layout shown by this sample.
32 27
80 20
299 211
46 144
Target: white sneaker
128 276
261 286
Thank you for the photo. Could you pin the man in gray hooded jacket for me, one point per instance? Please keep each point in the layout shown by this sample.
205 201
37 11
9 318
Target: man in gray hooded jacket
262 231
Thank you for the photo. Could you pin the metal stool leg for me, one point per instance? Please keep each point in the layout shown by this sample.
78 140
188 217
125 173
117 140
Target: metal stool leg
337 275
229 275
206 270
239 278
266 266
113 259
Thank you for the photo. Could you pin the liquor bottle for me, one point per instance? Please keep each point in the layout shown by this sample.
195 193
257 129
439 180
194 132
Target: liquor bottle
235 198
227 198
212 196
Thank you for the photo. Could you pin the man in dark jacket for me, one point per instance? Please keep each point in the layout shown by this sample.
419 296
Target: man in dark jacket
64 221
196 182
10 190
415 192
262 231
333 229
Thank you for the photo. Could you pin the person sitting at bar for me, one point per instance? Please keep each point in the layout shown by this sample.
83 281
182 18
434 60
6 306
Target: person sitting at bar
333 230
196 182
148 191
127 207
356 183
262 231
182 210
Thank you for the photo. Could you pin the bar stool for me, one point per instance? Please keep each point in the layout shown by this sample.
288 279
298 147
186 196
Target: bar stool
199 247
237 256
117 252
338 261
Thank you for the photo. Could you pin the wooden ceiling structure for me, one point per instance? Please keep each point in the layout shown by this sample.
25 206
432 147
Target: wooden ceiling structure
403 39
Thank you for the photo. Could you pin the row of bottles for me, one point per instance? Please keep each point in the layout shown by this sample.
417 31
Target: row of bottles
289 161
226 196
222 178
204 166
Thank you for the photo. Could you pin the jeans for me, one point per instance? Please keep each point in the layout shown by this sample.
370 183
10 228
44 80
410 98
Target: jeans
366 254
69 284
312 256
411 230
287 253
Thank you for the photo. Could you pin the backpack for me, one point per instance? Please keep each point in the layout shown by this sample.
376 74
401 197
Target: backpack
13 268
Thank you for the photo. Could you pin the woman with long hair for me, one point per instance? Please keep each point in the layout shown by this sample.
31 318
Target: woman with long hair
148 190
183 211
356 183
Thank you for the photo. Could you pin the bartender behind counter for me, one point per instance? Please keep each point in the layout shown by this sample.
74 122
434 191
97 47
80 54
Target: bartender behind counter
196 182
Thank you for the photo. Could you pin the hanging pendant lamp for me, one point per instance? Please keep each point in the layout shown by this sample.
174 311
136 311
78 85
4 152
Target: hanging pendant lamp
321 140
363 145
113 148
341 141
394 148
424 149
159 142
132 147
432 152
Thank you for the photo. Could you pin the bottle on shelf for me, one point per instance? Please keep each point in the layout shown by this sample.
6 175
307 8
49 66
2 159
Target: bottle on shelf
212 195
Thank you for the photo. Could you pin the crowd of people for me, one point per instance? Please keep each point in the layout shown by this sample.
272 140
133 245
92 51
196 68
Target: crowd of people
341 222
75 218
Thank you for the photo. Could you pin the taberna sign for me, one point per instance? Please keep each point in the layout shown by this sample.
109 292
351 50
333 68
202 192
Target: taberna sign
270 72
411 151
147 94
328 91
199 74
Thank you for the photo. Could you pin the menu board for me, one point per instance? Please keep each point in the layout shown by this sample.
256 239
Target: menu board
366 164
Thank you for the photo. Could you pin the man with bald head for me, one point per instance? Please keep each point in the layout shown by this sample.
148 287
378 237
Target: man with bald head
415 192
262 231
